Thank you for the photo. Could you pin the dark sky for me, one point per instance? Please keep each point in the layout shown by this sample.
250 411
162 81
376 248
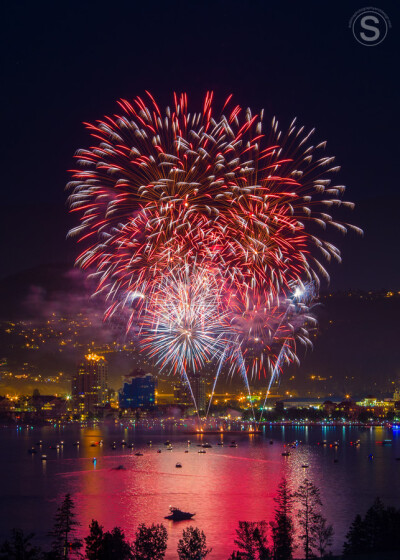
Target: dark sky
64 63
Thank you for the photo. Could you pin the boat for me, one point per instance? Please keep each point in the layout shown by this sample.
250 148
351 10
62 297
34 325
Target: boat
387 442
149 443
130 446
178 515
178 465
138 454
304 466
233 444
123 443
76 443
167 442
44 457
201 451
158 450
271 442
32 451
220 443
186 451
119 468
286 454
206 445
114 446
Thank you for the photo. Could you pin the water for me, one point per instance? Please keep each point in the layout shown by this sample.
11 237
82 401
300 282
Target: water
222 486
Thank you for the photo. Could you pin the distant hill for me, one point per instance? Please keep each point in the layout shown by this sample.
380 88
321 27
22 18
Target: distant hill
356 348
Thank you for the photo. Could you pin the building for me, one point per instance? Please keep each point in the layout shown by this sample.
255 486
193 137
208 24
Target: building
138 391
182 394
89 385
199 391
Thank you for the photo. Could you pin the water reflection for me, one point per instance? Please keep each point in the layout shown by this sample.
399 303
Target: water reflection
222 486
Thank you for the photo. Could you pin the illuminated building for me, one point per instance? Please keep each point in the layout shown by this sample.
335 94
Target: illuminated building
138 391
182 394
199 391
89 385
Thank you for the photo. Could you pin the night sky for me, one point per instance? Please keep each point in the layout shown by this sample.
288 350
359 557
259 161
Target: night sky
65 63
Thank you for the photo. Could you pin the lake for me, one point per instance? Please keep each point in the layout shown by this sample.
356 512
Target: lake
222 486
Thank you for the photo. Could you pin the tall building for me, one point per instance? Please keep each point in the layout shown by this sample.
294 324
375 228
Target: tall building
89 384
138 390
199 391
182 394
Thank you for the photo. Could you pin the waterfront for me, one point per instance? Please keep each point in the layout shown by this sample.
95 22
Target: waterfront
222 486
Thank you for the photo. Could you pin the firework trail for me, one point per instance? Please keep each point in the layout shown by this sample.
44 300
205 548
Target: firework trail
158 191
182 326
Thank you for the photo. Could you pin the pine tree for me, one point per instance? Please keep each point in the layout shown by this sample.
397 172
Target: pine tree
65 544
309 502
356 538
193 545
19 547
375 522
150 542
282 526
252 540
94 540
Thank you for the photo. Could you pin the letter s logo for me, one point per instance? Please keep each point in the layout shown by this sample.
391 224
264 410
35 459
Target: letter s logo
364 25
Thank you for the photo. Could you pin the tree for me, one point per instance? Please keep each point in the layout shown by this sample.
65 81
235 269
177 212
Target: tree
19 547
150 542
65 544
192 545
114 545
252 540
108 545
94 540
323 535
378 532
282 526
309 504
356 538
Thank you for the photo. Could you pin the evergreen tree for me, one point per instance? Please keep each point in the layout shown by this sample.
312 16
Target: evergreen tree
193 545
375 523
94 540
19 547
309 501
252 540
150 542
378 532
65 544
323 535
282 526
356 539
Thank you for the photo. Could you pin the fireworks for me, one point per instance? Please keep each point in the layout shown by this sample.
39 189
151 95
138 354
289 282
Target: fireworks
160 192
